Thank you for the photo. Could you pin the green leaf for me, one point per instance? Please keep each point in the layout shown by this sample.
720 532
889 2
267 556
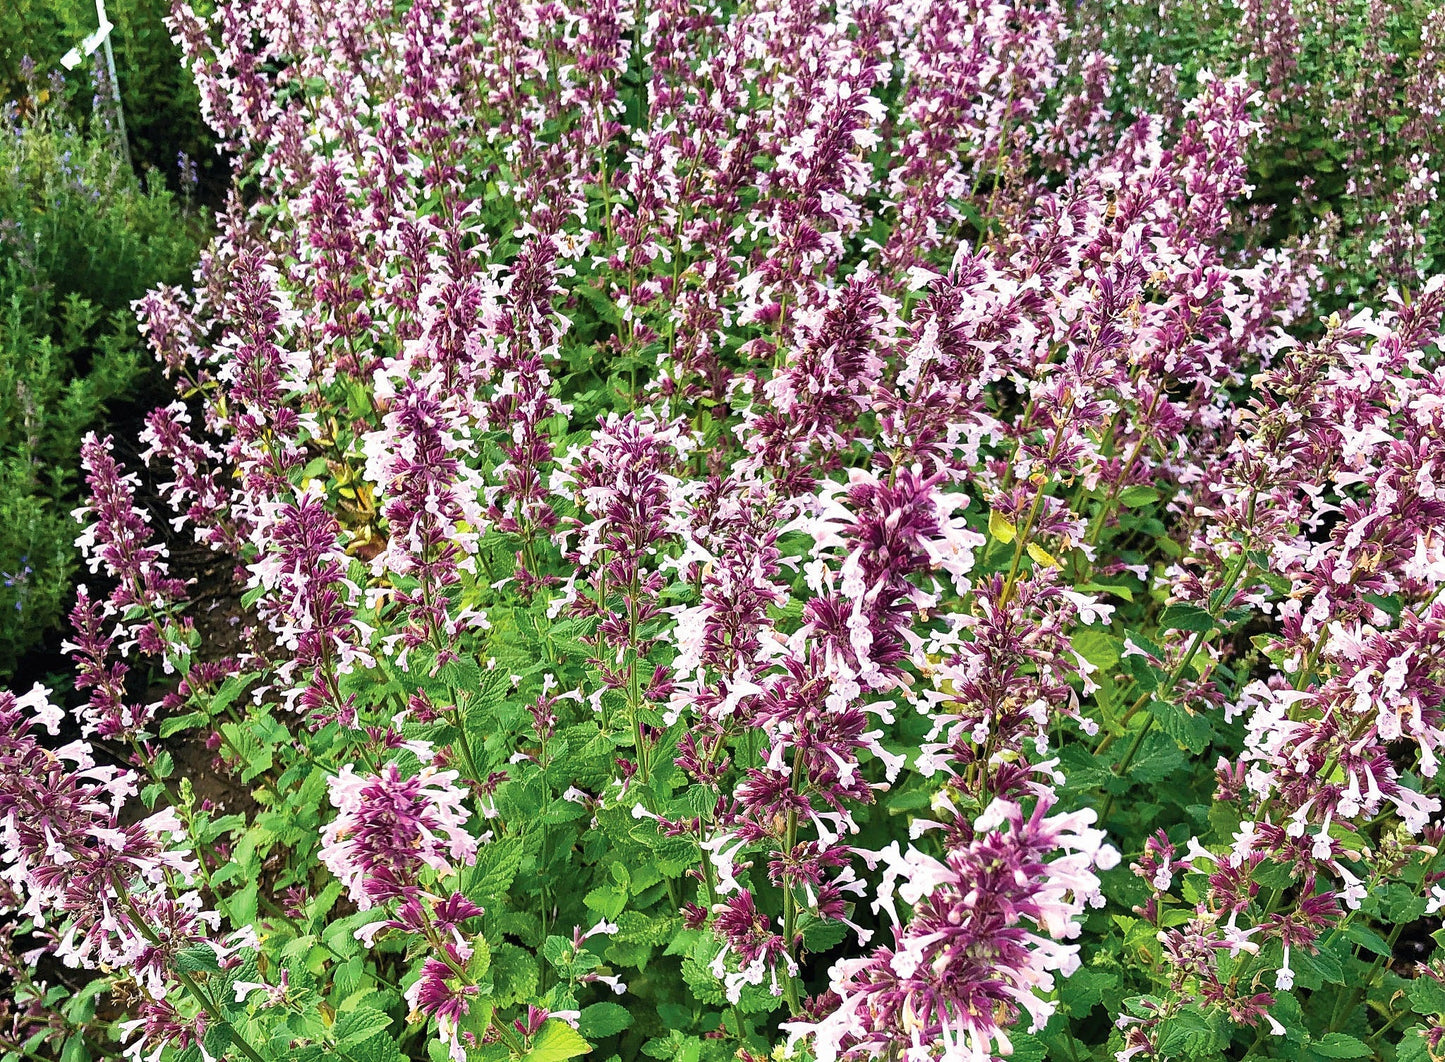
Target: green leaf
1414 1047
74 1051
1097 647
232 688
1320 967
820 936
514 974
1188 728
1108 588
557 1041
1026 1048
701 982
461 673
675 1047
603 1019
198 958
377 1049
1391 606
256 755
1340 1045
1186 618
1403 904
496 866
1133 497
1193 1033
218 1038
1085 989
1367 938
176 724
1159 758
359 1025
607 900
1426 996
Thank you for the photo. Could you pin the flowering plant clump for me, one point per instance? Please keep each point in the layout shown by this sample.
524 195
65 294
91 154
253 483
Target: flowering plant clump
767 530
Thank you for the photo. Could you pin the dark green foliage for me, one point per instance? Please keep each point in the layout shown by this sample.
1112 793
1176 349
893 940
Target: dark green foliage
80 238
160 101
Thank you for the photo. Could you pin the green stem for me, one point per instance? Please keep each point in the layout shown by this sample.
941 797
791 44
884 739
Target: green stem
790 916
216 1014
1358 993
1175 675
1021 542
195 990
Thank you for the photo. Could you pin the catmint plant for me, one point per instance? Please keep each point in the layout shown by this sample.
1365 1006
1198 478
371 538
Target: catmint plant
783 530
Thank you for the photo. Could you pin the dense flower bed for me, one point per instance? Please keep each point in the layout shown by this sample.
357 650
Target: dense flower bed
767 530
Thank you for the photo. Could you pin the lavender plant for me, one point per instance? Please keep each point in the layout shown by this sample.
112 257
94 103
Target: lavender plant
776 530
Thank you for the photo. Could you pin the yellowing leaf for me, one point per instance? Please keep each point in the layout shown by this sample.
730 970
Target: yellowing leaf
1043 556
1001 527
557 1041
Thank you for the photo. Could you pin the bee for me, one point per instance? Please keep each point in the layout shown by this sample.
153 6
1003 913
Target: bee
1111 207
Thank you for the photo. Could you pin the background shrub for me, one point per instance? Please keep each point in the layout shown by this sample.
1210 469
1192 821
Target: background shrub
162 107
81 237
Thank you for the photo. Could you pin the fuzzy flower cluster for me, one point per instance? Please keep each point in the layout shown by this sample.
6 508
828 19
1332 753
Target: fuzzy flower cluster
388 828
985 935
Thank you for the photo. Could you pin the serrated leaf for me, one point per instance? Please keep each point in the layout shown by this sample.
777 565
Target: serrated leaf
461 673
514 974
377 1049
257 757
1186 618
1321 967
1135 496
1192 1033
1340 1045
1367 938
1159 758
177 723
820 936
1426 996
1097 647
1188 728
1414 1047
359 1025
198 958
1026 1048
163 764
603 1019
74 1050
701 983
496 866
232 688
606 900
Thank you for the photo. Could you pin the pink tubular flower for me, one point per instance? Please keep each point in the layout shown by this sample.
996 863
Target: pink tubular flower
113 891
442 993
984 935
390 827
